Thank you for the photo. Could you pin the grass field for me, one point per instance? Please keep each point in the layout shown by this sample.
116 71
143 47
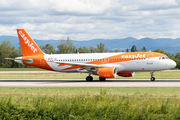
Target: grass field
57 75
74 103
70 91
89 103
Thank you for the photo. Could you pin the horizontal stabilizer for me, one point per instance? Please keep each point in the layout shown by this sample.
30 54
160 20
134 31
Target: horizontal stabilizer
19 59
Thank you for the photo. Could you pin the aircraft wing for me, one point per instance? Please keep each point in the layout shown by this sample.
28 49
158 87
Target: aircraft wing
81 64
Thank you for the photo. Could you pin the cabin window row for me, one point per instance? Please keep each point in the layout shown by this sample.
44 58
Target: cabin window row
55 59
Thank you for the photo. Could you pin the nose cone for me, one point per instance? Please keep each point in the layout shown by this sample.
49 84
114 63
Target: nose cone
172 64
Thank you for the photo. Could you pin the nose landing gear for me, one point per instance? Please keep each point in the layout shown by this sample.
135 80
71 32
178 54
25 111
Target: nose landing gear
152 78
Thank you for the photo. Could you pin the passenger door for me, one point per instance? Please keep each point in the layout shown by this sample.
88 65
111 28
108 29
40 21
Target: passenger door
150 59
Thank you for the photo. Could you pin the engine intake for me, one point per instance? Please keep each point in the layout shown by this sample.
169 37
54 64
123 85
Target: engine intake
108 72
126 74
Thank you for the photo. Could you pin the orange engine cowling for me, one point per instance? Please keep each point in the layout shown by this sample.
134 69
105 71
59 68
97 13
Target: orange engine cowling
126 74
108 72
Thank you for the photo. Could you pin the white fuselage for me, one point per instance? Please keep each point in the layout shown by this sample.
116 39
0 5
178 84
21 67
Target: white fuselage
126 64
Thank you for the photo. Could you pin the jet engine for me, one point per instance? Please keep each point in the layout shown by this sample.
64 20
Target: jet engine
126 74
108 72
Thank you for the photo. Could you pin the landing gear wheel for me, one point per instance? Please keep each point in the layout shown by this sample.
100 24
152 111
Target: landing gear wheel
152 78
89 78
102 79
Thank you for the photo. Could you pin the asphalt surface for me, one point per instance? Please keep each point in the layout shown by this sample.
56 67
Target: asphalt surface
95 83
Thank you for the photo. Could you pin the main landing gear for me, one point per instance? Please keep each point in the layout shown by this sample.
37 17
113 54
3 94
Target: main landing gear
152 78
102 79
90 78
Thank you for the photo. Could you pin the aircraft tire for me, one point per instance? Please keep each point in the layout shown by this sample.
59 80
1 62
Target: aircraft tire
102 79
152 78
89 78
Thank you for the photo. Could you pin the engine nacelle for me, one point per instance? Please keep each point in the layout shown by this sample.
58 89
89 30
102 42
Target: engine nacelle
126 74
108 72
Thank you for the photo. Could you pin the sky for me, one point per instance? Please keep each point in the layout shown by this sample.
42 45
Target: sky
91 19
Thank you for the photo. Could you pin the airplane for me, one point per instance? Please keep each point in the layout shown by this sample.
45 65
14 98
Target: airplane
105 65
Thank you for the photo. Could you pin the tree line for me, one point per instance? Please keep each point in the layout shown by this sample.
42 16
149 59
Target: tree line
64 47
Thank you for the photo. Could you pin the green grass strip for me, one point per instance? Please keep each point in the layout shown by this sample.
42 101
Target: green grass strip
89 103
58 75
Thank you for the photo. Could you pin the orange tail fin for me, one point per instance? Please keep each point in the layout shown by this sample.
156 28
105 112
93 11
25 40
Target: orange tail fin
28 46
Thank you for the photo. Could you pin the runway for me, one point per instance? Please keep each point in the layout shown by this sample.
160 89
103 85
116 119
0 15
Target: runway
95 83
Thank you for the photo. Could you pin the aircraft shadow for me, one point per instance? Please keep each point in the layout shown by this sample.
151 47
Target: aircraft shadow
81 81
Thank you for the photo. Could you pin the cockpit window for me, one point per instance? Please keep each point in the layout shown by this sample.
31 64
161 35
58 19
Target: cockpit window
163 58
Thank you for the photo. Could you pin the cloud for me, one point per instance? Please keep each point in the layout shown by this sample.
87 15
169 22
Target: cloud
77 6
91 19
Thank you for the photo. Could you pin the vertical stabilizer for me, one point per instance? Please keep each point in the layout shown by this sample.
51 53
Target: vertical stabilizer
28 46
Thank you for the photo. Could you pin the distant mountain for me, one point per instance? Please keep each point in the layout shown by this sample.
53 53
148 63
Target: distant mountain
169 45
